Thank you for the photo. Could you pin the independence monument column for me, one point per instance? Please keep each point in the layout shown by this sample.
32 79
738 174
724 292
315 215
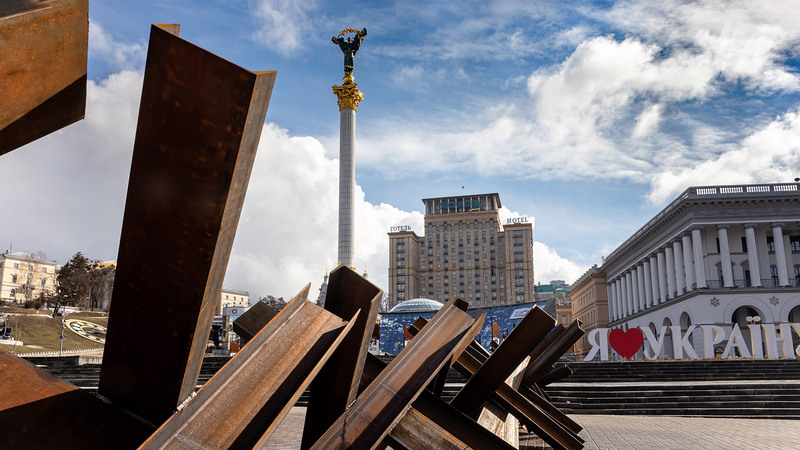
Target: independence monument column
348 97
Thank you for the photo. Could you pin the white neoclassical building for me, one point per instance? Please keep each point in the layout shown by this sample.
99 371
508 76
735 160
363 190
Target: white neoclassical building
716 255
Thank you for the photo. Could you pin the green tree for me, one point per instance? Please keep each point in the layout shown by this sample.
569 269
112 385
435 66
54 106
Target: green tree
73 283
84 283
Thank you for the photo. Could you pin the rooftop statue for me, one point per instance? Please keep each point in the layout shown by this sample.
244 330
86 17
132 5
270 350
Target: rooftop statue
349 47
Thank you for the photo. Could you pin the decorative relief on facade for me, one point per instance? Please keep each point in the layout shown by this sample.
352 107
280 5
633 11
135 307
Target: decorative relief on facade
714 301
348 96
774 300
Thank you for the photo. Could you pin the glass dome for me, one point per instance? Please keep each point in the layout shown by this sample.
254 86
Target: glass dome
417 305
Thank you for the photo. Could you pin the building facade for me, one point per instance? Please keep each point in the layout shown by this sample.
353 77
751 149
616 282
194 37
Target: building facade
716 255
465 252
589 305
26 276
232 298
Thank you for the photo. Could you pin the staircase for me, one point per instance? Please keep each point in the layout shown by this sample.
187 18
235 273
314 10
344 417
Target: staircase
708 388
742 388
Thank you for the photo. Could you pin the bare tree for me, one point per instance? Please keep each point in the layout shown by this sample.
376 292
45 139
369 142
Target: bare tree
276 303
35 277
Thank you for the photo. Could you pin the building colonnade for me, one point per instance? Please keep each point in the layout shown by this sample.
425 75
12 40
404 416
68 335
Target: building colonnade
678 267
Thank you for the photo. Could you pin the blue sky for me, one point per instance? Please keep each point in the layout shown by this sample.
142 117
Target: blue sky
588 117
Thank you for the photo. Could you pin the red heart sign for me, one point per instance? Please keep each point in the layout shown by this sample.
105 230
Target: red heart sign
626 343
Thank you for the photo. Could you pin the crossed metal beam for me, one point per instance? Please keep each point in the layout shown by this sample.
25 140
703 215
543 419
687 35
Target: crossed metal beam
199 125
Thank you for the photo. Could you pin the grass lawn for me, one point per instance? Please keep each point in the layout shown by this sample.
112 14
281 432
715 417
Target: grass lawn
40 332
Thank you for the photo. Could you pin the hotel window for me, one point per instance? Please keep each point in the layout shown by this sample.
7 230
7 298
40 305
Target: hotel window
517 234
517 257
44 269
794 243
16 265
44 282
744 244
773 272
14 278
797 275
770 244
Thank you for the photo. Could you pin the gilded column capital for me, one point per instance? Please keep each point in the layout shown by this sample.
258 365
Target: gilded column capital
348 96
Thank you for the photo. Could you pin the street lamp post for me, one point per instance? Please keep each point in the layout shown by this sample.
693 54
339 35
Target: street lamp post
61 338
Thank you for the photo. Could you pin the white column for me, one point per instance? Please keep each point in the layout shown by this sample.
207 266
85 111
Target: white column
347 181
662 276
640 285
618 299
611 306
680 273
629 291
626 292
648 282
671 290
688 265
654 278
699 265
752 254
725 255
635 289
780 254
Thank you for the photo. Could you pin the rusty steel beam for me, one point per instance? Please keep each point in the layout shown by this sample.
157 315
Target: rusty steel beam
200 120
547 341
245 401
480 354
508 356
532 410
72 419
252 321
42 68
554 375
543 362
387 398
337 384
445 423
543 423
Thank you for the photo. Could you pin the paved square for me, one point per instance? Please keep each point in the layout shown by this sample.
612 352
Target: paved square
632 432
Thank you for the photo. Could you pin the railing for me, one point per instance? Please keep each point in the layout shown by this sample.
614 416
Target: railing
743 189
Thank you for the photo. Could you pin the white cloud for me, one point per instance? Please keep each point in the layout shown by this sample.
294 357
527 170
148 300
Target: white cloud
284 22
65 193
548 266
769 155
288 232
738 40
629 107
647 122
120 56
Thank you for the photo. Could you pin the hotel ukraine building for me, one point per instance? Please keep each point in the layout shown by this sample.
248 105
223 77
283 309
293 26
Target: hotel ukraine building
464 253
715 255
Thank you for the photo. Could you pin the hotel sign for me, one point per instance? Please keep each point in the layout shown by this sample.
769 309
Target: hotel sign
400 228
515 220
776 338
